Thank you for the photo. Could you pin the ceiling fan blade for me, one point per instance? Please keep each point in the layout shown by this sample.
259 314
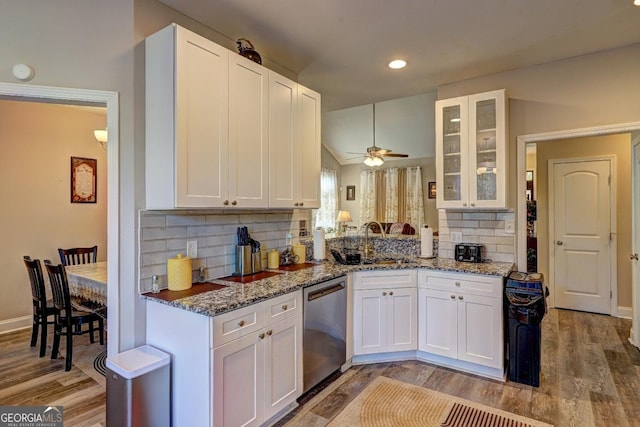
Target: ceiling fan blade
361 156
395 155
351 152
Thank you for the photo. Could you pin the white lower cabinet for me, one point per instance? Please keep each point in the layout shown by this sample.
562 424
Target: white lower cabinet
385 312
460 318
240 368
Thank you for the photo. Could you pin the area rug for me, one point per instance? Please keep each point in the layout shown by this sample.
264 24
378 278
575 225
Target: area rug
100 363
391 403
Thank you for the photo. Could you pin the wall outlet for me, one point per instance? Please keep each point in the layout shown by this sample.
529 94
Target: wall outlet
456 236
509 226
192 249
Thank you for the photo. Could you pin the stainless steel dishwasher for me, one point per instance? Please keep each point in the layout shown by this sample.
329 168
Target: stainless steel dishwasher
325 330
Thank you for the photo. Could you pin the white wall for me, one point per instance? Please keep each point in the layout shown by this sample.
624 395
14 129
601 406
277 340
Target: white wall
36 143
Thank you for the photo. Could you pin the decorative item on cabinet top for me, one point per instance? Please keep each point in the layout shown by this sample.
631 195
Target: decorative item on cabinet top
246 49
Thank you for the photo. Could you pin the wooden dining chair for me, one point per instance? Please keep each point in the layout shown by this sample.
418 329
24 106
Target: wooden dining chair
42 308
74 256
69 322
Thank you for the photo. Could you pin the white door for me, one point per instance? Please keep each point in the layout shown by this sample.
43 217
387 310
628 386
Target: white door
369 329
402 319
438 326
635 243
580 225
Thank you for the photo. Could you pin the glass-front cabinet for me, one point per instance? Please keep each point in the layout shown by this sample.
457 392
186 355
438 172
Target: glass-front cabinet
471 158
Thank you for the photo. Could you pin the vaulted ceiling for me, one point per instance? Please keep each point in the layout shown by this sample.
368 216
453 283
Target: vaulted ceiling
341 48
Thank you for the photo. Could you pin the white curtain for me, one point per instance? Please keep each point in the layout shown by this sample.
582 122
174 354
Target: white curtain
414 198
326 215
391 187
367 196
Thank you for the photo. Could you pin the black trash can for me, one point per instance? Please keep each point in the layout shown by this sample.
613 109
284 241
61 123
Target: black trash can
525 307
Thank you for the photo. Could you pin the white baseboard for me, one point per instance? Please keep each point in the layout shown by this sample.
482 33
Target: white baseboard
625 312
10 325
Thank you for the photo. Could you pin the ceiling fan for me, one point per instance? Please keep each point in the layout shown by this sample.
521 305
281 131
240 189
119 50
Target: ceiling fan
374 154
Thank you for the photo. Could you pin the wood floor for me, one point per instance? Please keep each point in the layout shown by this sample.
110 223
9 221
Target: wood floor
590 377
29 380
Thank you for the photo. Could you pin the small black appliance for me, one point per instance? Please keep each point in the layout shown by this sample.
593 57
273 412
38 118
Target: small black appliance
469 252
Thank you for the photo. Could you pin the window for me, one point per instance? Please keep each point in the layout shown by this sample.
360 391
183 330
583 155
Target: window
326 216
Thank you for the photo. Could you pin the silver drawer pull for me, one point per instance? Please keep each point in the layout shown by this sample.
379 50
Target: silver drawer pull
242 323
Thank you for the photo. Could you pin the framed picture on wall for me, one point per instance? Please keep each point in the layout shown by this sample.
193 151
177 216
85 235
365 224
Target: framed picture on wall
83 180
351 192
432 190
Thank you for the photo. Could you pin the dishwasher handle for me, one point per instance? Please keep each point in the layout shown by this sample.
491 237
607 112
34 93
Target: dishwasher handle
325 291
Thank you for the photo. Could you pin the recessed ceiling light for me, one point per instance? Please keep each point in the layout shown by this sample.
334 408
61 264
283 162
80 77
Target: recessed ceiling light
636 2
396 64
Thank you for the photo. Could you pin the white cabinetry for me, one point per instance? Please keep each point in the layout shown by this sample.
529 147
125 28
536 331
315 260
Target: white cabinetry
385 311
471 151
294 144
239 368
187 115
208 129
460 319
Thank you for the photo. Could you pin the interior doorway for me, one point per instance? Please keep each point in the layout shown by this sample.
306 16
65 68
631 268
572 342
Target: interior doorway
581 205
74 96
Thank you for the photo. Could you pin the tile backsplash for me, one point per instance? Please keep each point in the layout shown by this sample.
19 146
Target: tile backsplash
164 234
486 227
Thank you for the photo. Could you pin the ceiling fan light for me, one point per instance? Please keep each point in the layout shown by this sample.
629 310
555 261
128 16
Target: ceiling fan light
373 161
397 64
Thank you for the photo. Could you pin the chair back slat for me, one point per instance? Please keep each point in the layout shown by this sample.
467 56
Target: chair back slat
59 288
36 278
75 256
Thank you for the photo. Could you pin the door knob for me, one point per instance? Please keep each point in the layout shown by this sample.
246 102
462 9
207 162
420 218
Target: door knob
559 242
633 256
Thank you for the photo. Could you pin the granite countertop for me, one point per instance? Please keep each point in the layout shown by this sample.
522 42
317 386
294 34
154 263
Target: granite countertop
236 295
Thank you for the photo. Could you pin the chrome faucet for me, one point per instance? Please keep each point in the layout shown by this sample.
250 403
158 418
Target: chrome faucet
366 236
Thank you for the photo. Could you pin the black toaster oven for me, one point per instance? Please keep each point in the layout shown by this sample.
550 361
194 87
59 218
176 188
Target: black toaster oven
468 252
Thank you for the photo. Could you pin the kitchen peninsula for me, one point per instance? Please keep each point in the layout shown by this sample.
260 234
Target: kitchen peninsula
230 345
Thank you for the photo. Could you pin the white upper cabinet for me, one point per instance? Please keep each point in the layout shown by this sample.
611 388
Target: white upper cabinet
471 151
225 132
187 110
248 133
294 144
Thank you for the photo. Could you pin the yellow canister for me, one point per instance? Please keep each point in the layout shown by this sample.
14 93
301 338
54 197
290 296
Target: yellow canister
179 273
273 259
299 253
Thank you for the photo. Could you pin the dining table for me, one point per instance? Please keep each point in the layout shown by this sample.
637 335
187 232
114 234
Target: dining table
88 281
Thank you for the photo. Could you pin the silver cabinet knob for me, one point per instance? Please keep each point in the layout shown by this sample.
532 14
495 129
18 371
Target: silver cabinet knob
473 204
241 323
384 294
234 203
285 307
460 297
226 203
458 284
559 242
296 204
391 293
453 297
633 256
261 336
464 204
269 332
301 203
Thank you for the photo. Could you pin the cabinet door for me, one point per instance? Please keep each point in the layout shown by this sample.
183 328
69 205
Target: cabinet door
283 364
452 152
438 324
369 328
402 319
487 150
248 133
284 161
480 330
309 146
238 382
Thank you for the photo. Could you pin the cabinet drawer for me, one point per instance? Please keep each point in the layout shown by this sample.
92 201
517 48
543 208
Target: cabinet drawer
232 325
385 279
473 284
283 307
